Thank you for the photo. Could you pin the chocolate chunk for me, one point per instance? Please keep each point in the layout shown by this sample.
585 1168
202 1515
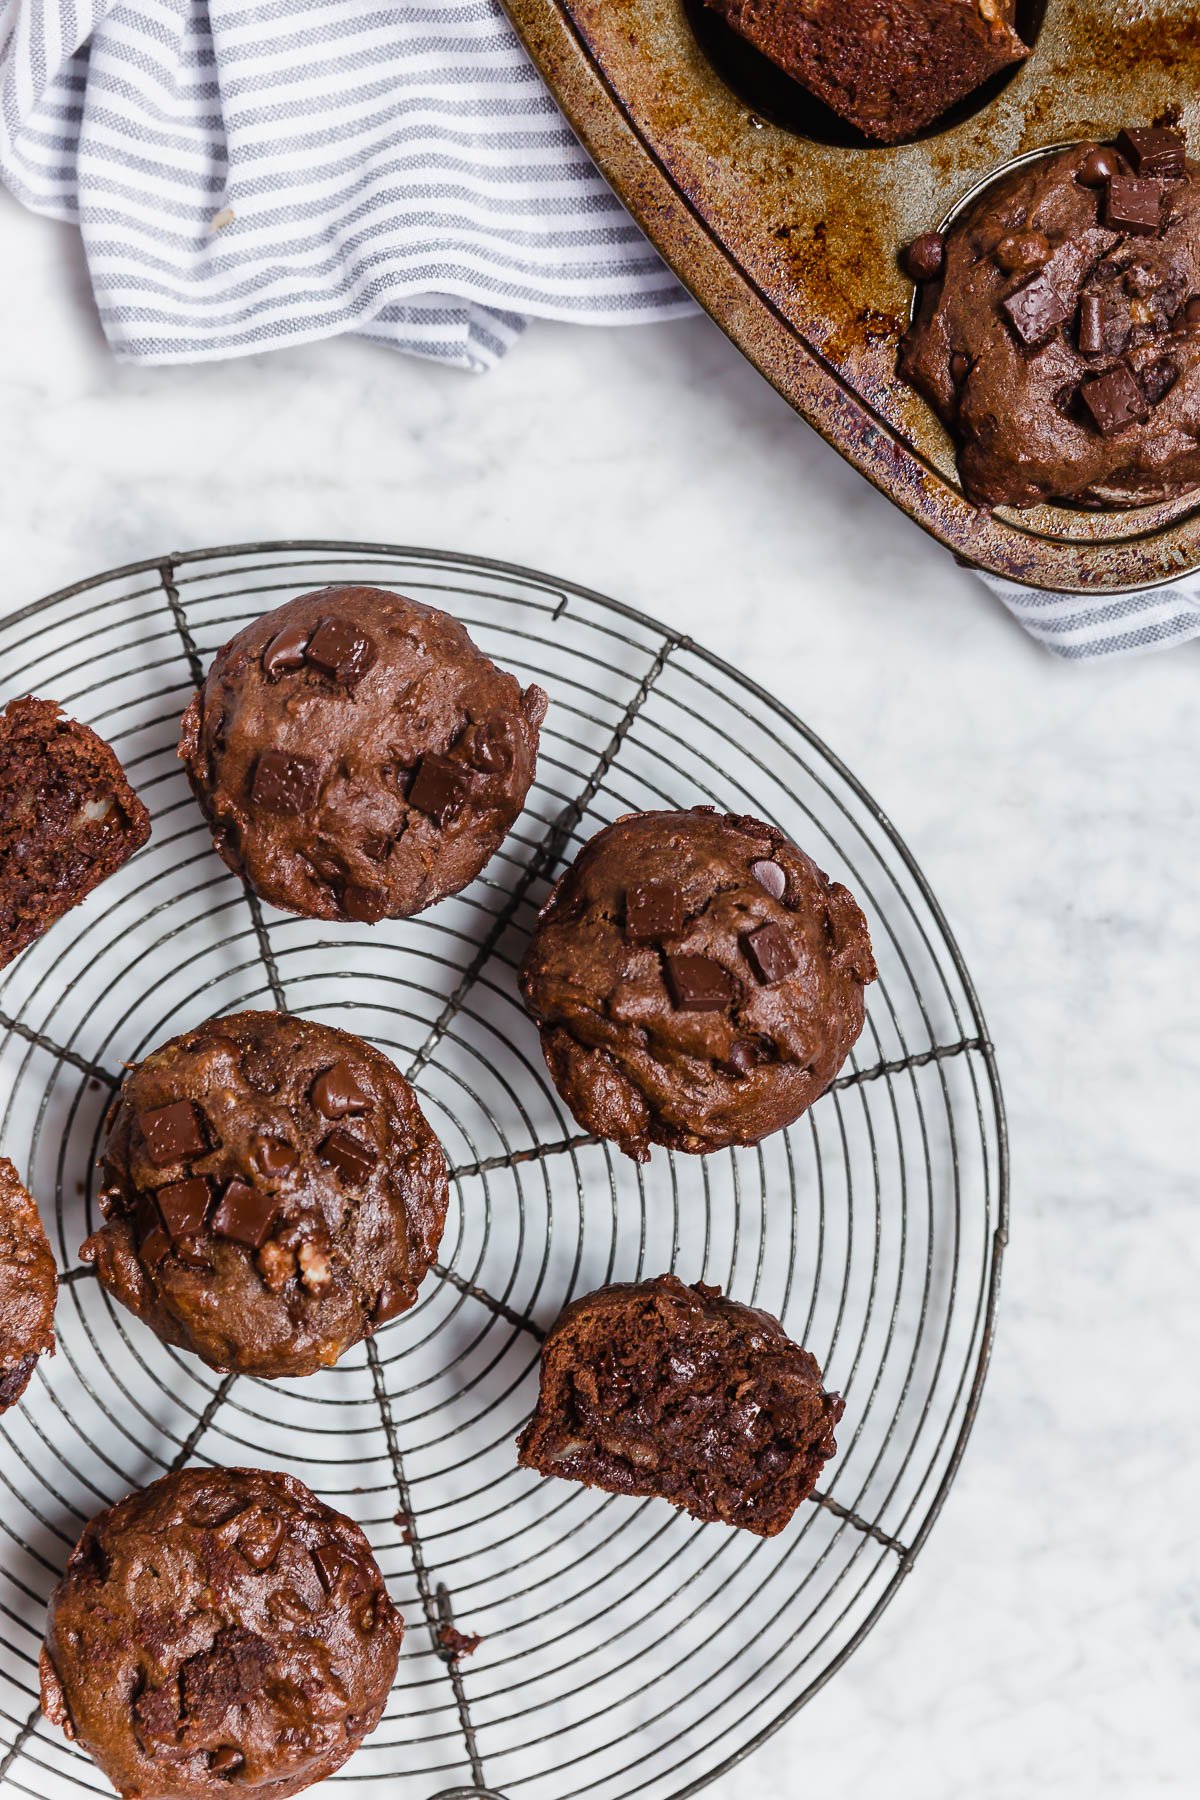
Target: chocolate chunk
365 905
697 984
154 1247
285 651
487 749
925 257
336 1093
184 1206
1158 380
653 911
271 1156
391 1302
437 787
771 876
1091 324
226 1761
172 1133
352 1159
285 784
1134 206
745 1054
769 952
1154 151
330 1563
245 1214
1114 400
1098 167
1035 311
340 649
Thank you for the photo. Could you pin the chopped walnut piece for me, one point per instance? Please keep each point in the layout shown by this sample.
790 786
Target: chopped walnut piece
315 1271
276 1264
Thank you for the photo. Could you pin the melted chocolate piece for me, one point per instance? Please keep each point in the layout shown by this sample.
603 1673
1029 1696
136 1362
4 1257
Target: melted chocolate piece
1035 311
770 876
272 1156
172 1133
366 906
184 1206
1191 312
226 1761
697 984
1114 400
653 911
245 1214
438 789
336 1092
338 648
390 1304
487 749
1134 206
1154 151
352 1159
260 1535
1098 168
769 953
285 651
285 784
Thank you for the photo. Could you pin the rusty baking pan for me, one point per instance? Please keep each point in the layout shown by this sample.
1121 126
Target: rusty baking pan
787 227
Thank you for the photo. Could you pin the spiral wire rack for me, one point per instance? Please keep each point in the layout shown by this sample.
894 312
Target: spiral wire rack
625 1649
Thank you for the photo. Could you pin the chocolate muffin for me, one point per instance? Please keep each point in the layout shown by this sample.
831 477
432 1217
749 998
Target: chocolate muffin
272 1193
68 818
697 981
668 1390
889 66
1057 332
222 1631
28 1287
357 757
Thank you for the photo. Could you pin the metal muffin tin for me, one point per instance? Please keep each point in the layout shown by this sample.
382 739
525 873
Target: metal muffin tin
787 228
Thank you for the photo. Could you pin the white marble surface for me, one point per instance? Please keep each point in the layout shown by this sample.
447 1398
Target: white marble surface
1046 1644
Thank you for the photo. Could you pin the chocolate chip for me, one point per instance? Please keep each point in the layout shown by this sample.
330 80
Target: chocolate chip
769 952
1098 167
184 1206
1022 250
771 876
391 1302
285 784
653 911
285 651
744 1055
487 749
172 1133
330 1563
336 1093
1091 324
365 905
925 257
1154 151
272 1156
697 983
1035 311
1114 400
1158 380
340 649
1134 206
245 1214
437 787
352 1159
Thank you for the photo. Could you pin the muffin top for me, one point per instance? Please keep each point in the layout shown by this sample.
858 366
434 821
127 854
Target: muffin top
697 980
273 1193
222 1631
356 755
1058 332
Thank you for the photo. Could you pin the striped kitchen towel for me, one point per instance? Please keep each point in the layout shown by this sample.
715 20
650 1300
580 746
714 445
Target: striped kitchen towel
247 176
1087 627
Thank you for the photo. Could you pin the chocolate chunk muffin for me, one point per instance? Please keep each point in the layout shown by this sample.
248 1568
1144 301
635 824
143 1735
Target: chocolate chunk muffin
28 1287
357 757
697 981
273 1193
1058 332
663 1389
890 67
220 1632
68 818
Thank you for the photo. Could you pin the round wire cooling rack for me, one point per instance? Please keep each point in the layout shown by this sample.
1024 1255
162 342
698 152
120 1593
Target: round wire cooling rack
624 1648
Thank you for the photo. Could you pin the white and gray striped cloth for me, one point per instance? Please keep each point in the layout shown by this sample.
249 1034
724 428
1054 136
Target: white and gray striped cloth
252 175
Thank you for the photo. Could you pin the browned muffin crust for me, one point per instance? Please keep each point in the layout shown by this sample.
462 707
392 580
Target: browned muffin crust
356 755
697 981
673 1391
1058 337
28 1287
273 1193
221 1632
68 818
889 66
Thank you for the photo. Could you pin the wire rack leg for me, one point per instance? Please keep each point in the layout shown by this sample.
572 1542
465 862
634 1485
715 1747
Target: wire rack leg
22 1738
